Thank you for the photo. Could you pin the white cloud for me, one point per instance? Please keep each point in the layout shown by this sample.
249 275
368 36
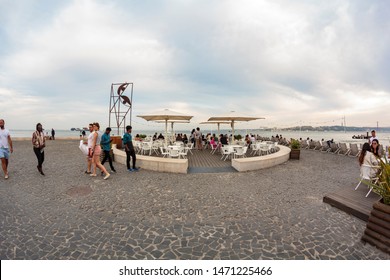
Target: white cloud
285 60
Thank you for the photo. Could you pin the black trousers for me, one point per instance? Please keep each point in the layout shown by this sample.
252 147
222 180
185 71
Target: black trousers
129 154
108 156
40 156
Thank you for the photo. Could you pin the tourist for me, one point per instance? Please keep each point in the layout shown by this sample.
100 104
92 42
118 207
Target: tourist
129 148
179 138
223 139
368 158
38 142
192 137
198 139
89 144
105 142
5 147
160 137
373 136
185 139
53 133
375 147
213 144
96 151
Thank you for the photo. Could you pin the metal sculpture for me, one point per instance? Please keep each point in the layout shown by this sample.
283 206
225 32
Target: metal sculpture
125 99
117 109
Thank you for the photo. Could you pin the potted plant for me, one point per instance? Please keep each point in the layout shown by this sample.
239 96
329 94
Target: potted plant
377 232
295 146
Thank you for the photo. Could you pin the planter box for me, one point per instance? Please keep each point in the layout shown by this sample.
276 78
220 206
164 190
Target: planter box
294 154
377 232
117 140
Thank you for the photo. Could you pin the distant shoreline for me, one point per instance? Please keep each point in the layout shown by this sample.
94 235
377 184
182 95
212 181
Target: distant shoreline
57 138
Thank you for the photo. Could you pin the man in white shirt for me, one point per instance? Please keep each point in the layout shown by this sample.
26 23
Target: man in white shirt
373 136
5 147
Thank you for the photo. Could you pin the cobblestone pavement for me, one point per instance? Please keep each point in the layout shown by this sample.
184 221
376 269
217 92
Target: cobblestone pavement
274 213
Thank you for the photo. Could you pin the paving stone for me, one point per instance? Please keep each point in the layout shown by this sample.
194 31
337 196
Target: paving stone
152 215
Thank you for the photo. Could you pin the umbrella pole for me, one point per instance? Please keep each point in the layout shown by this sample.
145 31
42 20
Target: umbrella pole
166 133
232 133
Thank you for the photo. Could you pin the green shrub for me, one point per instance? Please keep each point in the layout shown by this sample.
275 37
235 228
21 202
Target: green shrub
295 144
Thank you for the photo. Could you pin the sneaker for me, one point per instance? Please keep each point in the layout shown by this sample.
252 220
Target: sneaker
107 176
6 176
130 170
92 175
136 169
113 170
87 172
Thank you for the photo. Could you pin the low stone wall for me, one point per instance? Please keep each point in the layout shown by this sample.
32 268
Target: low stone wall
261 162
153 163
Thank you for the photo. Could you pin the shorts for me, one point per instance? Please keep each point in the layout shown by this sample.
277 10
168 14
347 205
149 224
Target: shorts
4 153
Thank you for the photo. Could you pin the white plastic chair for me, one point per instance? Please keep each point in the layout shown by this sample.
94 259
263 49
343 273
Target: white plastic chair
255 148
264 149
146 147
174 153
240 152
183 152
226 152
164 152
213 148
369 173
190 147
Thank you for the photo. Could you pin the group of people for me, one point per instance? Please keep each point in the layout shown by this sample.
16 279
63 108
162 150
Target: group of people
97 143
370 154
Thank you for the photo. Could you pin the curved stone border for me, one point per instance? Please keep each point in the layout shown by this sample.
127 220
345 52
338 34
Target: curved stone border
181 165
153 163
260 162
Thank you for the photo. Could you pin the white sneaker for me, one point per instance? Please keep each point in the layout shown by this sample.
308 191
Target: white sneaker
6 176
107 176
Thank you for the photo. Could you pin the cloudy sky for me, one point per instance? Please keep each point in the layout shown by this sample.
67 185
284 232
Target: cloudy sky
300 62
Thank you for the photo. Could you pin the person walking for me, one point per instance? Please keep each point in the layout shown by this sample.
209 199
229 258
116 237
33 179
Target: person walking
198 138
89 144
5 147
38 142
105 142
96 151
129 148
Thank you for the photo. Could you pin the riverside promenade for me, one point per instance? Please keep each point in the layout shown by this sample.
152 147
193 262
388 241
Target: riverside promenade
274 213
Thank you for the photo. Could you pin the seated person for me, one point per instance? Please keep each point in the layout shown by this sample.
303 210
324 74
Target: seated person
161 137
375 147
179 138
137 138
368 158
213 144
185 139
223 139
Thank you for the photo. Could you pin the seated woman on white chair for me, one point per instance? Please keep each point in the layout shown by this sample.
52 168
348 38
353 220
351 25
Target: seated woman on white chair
368 158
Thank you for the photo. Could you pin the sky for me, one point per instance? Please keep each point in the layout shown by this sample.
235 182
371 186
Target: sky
294 63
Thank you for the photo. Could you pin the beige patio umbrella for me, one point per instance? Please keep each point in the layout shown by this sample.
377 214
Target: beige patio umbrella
233 117
216 122
166 115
